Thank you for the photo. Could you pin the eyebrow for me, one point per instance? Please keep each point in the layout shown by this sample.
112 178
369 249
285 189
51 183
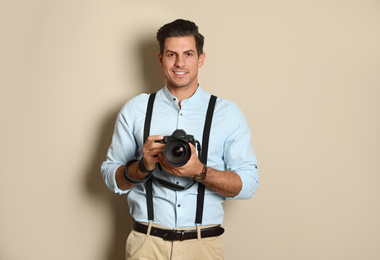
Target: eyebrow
191 50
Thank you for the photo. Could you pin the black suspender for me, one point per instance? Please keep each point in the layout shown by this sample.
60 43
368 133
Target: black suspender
148 116
203 157
149 182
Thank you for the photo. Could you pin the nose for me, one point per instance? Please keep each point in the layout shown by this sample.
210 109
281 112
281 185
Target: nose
179 62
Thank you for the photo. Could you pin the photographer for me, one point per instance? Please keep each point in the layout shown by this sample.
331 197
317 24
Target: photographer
177 210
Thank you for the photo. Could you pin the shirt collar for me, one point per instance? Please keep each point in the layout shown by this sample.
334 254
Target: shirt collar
194 99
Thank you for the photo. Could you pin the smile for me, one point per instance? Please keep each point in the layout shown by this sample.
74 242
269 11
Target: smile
179 72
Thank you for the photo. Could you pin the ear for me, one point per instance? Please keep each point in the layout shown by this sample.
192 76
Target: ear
160 59
201 59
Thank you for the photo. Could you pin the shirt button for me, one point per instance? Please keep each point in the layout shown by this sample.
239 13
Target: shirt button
181 114
174 99
177 182
179 205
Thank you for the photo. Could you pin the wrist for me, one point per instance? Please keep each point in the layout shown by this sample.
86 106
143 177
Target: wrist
202 175
144 166
141 166
137 178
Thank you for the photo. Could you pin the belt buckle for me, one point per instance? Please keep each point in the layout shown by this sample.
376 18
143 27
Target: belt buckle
182 235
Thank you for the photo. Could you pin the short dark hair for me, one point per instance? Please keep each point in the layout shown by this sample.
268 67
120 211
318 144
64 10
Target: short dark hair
181 28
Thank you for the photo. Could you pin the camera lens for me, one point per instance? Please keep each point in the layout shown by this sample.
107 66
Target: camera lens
177 152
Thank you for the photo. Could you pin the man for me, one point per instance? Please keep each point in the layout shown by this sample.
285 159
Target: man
173 217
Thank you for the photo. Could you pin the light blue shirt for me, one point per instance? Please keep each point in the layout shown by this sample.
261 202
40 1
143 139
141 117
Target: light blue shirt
229 149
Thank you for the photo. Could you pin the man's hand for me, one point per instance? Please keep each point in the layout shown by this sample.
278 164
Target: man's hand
150 151
227 183
190 169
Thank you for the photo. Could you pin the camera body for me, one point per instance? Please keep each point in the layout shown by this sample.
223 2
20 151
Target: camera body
177 150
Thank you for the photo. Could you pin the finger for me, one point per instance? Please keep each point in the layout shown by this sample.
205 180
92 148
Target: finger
163 162
151 143
151 146
193 149
154 138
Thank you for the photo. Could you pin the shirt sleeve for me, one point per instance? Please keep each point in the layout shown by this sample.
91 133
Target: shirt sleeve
238 153
122 149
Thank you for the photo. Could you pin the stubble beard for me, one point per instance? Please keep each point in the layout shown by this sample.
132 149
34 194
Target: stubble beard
183 85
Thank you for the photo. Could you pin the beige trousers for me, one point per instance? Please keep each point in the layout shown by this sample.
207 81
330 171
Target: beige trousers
141 246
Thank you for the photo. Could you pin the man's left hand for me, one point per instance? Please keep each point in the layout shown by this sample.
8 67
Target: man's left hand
190 169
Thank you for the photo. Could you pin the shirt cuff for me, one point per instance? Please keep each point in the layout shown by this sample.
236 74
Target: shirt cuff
112 181
249 185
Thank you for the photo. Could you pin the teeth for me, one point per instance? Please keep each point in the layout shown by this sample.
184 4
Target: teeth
180 73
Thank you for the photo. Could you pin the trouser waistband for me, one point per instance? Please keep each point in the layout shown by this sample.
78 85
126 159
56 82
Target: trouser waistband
178 235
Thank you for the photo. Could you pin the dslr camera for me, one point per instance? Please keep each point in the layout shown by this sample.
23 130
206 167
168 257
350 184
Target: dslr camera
177 151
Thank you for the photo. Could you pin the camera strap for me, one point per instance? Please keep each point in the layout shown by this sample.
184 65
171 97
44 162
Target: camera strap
202 158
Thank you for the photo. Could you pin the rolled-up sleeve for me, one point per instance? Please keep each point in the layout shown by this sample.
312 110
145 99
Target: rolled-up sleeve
239 155
122 148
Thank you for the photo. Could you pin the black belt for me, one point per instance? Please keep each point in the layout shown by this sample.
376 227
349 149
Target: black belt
174 235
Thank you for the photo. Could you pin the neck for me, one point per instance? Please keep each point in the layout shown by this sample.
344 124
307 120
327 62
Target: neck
182 93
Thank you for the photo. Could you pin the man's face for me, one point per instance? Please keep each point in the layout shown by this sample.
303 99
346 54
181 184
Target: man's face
180 62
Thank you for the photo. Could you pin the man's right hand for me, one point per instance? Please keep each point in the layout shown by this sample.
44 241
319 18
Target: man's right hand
150 151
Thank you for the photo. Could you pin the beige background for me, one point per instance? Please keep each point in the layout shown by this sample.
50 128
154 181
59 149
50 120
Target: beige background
305 73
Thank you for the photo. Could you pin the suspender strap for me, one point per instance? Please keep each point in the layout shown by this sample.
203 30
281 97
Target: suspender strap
149 198
203 159
206 129
149 182
148 117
